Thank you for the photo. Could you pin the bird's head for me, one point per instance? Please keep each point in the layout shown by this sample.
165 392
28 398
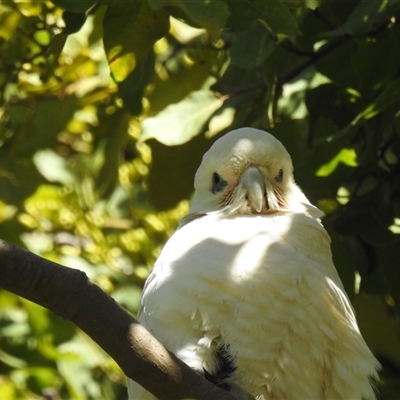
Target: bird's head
248 171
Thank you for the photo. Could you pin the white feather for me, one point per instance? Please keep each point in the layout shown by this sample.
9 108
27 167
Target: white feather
262 284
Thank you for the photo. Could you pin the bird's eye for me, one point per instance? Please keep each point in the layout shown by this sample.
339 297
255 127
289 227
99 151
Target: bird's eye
279 177
218 183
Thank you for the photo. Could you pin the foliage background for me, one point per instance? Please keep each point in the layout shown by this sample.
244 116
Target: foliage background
106 109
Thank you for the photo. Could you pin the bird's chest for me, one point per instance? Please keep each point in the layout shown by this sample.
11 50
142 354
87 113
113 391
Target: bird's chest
249 270
246 250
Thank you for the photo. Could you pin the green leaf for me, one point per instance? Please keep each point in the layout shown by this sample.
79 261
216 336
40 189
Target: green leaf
172 172
180 122
50 119
337 15
10 230
308 160
251 47
387 98
337 65
128 297
113 147
276 16
132 88
208 14
365 17
242 16
11 361
74 5
57 44
37 127
236 80
53 167
130 30
41 377
369 217
388 258
14 185
345 156
347 257
232 113
372 73
176 87
322 129
325 109
293 134
378 323
311 27
73 21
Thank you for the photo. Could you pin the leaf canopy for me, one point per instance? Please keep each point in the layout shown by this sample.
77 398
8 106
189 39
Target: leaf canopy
106 109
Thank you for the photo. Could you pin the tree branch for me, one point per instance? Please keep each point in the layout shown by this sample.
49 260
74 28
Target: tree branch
327 48
70 294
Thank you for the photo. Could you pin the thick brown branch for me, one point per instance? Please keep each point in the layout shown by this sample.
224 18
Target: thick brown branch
69 293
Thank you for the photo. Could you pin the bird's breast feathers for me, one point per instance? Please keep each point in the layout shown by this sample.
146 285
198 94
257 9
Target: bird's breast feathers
266 287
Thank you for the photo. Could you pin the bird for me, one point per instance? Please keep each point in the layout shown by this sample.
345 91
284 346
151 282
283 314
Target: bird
245 291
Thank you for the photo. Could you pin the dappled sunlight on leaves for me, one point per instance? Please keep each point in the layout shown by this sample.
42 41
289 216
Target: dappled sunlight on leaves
106 110
345 156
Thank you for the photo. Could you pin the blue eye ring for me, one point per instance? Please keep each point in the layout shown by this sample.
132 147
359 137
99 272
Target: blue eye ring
218 183
279 177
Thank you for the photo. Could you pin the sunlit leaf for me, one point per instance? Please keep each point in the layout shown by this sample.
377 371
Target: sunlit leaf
80 186
232 113
38 318
57 44
8 23
53 167
42 377
208 14
345 156
11 360
389 96
130 30
132 88
128 297
176 87
180 122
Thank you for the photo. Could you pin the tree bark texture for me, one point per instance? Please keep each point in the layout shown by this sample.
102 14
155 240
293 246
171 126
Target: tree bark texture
70 294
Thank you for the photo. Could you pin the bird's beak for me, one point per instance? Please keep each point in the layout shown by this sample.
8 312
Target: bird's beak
253 182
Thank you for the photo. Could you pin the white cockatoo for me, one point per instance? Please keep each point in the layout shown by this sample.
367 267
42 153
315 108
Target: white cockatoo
245 291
